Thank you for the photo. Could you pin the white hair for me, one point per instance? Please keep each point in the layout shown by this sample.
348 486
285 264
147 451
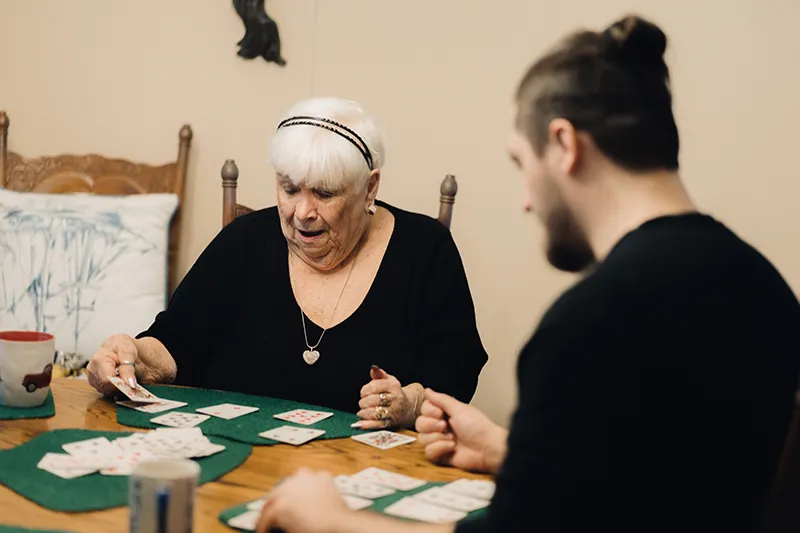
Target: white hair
317 156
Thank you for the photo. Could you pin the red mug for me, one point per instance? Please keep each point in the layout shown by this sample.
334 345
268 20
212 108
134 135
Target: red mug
26 367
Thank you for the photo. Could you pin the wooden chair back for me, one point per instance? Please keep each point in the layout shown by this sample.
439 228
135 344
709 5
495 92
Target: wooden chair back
231 209
98 175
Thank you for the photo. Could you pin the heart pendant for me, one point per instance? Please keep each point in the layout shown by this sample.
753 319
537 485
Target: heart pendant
310 356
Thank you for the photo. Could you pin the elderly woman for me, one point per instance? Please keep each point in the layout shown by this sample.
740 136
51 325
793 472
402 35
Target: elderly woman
312 299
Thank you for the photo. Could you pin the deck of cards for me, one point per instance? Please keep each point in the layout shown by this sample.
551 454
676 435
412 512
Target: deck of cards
142 399
120 456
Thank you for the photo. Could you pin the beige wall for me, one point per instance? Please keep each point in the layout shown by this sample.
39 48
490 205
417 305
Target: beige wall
120 77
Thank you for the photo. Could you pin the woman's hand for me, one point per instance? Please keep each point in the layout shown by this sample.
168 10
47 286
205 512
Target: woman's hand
117 352
386 403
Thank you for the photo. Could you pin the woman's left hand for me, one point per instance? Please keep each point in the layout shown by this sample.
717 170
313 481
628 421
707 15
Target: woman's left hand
386 403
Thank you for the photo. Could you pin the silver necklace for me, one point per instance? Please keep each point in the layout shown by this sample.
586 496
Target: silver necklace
311 355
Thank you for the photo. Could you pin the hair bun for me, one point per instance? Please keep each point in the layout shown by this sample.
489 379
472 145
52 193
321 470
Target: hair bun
636 41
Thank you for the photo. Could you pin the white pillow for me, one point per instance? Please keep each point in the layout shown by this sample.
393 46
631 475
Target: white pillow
83 266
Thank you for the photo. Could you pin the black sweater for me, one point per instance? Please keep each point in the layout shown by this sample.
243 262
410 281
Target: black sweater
655 395
234 324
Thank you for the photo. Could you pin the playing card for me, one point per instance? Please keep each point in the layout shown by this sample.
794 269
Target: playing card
452 500
417 509
303 416
476 488
227 410
354 503
160 407
246 521
180 420
256 505
99 447
292 434
139 394
354 487
383 440
388 479
66 466
123 464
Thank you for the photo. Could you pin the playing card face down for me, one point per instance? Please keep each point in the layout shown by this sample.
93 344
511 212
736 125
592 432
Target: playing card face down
476 488
160 407
227 411
139 394
303 416
452 500
383 440
180 420
388 479
363 489
422 511
292 434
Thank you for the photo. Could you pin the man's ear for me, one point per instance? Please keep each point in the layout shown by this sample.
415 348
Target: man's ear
563 136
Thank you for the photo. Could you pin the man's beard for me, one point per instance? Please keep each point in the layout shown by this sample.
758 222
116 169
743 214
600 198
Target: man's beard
567 246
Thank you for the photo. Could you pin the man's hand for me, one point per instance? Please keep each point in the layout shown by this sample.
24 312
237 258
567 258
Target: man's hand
307 502
459 435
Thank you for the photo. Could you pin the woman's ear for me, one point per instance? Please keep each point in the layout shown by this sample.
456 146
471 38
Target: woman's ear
372 186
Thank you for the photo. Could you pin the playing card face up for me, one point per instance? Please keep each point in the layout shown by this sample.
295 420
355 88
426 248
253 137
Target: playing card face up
354 503
452 500
99 447
422 511
303 416
139 394
363 489
292 435
383 440
388 479
65 466
227 411
476 488
246 521
160 407
180 420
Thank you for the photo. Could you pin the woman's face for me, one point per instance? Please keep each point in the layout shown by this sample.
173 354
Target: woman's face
323 226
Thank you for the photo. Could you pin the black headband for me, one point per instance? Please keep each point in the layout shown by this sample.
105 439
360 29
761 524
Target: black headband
358 142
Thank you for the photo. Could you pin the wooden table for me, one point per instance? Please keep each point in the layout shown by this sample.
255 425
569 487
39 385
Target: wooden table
79 406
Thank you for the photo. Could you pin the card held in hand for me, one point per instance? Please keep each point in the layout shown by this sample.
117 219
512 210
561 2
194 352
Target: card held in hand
139 394
383 440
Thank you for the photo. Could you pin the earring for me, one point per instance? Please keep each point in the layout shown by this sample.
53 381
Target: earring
372 209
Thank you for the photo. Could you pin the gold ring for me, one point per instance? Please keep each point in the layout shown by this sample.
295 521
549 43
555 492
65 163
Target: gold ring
381 413
386 399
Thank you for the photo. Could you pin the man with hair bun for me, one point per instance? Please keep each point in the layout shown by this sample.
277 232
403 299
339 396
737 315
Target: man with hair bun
656 393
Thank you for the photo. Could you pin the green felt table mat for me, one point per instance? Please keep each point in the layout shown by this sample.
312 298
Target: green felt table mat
14 529
378 505
46 410
93 492
245 428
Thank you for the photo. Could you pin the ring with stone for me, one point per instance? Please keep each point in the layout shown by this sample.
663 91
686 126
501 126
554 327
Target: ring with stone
381 413
386 399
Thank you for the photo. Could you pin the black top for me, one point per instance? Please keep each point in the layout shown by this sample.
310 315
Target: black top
656 394
234 324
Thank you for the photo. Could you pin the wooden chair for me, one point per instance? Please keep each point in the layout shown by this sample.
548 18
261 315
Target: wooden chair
98 175
231 210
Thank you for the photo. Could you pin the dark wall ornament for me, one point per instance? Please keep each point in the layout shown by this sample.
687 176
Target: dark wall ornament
261 36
